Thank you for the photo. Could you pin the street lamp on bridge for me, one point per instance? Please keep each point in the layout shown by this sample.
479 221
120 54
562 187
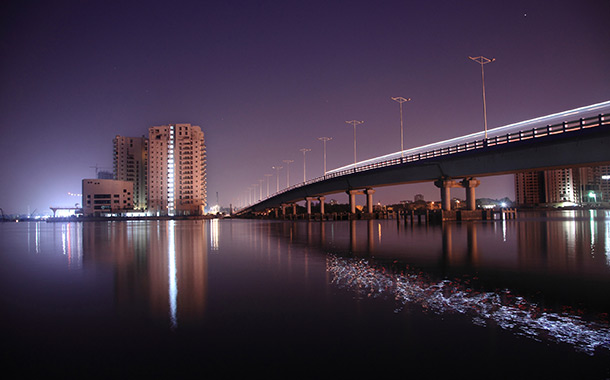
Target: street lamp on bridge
260 189
354 123
482 61
268 175
287 162
401 100
304 150
277 168
325 139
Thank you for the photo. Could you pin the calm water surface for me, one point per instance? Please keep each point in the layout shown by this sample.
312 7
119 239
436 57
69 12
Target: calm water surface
517 298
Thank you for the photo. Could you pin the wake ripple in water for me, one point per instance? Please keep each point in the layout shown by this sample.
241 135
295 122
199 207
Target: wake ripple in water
507 311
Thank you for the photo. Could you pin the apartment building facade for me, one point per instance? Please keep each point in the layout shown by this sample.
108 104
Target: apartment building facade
130 163
177 181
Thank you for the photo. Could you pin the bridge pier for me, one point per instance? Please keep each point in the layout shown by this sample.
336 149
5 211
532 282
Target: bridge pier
308 201
352 200
369 199
469 184
322 199
445 184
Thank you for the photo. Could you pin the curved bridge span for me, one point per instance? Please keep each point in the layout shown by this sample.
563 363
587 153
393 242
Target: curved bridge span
579 142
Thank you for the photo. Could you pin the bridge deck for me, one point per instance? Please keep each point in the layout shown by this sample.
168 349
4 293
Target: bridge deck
582 142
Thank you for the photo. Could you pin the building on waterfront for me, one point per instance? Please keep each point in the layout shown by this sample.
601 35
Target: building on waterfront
130 163
529 188
102 196
177 182
585 185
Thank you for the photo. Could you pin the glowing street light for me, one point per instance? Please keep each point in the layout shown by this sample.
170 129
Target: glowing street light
354 123
401 100
482 61
325 139
304 150
277 168
287 162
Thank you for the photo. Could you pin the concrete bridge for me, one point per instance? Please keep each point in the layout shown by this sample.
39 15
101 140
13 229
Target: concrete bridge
579 142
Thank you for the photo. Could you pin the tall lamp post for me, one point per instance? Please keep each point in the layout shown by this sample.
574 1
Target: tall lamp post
354 123
304 150
325 139
254 193
277 168
482 61
287 162
268 175
401 100
260 189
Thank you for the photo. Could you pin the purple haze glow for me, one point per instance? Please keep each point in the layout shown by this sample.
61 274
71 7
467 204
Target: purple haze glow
266 78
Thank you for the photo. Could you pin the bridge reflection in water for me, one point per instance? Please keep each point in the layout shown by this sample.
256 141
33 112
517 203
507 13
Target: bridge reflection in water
464 277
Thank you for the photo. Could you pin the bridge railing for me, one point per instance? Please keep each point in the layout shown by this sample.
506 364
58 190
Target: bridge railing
548 130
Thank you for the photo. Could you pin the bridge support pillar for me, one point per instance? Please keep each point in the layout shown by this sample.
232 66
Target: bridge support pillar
283 206
308 201
322 199
352 200
294 210
469 184
445 185
369 200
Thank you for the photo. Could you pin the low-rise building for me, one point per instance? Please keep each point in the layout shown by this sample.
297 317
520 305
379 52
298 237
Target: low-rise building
106 196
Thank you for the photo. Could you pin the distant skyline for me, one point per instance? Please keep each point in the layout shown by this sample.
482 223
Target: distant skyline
266 79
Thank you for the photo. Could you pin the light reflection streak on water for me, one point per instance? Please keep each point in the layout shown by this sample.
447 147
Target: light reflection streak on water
214 234
173 286
510 312
37 233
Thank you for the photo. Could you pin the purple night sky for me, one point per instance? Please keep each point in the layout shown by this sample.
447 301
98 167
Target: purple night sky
264 79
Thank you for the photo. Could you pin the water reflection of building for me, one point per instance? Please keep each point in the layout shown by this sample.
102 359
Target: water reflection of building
160 266
574 241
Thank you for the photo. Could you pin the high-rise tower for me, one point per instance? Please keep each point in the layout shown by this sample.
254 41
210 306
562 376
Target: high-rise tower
177 180
130 164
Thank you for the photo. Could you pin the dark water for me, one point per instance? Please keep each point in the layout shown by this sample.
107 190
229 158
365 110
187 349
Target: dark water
520 298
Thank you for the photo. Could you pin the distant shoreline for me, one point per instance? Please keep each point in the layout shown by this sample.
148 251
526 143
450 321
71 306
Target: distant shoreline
113 218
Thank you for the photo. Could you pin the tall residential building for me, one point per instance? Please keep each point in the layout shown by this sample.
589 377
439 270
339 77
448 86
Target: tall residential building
130 164
577 185
176 170
529 188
